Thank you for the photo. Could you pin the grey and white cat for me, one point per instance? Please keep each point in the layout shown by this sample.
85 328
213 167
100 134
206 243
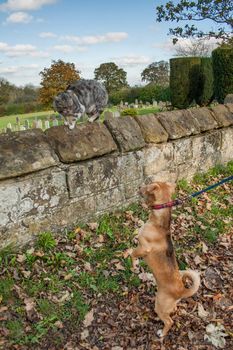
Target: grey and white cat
80 97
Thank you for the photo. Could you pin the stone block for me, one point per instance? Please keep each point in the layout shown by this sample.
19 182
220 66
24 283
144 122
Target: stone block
110 199
204 118
223 115
25 152
183 151
228 99
152 130
97 175
230 107
226 147
32 196
126 133
206 151
179 123
158 158
85 141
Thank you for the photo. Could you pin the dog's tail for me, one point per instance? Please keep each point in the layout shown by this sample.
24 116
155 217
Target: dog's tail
195 277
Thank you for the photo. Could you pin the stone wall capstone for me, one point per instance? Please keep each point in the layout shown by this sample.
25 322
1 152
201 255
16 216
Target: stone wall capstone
53 180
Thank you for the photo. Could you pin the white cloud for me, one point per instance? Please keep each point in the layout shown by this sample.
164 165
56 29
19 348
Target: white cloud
63 48
47 35
96 39
21 50
19 17
69 48
131 60
13 70
25 5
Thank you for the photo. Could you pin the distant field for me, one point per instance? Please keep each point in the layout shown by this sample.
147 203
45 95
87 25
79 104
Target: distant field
47 114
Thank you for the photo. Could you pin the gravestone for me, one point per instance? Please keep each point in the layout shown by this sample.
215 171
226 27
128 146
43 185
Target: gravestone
27 124
116 114
155 103
34 124
9 127
55 122
46 124
39 124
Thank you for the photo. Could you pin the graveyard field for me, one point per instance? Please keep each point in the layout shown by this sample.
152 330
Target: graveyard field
22 117
48 114
78 291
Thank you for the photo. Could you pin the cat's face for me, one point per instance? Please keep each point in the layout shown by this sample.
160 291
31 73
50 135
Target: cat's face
67 104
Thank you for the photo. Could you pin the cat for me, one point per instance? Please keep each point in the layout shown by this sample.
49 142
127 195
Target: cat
81 97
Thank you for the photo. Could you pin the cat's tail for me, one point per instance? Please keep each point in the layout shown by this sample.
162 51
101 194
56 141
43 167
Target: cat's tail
195 277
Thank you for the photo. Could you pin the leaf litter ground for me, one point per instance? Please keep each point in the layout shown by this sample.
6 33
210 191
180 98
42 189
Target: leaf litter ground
77 290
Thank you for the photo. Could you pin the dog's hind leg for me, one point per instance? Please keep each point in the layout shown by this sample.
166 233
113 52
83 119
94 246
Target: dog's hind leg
164 307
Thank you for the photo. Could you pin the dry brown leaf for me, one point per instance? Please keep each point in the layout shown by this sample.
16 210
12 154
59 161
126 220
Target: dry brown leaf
84 334
58 324
204 248
197 260
88 318
202 313
68 277
93 225
21 258
87 266
3 308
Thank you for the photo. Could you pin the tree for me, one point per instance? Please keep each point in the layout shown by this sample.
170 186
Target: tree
56 79
157 73
113 77
219 11
6 90
194 48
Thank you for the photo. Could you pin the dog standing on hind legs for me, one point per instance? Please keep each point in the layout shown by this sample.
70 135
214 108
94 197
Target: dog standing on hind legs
155 246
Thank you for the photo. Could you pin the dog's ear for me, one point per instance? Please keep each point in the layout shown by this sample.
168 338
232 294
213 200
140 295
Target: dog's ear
153 187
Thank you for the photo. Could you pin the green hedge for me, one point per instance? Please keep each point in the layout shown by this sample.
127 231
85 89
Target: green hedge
205 87
191 80
20 108
181 80
146 93
223 72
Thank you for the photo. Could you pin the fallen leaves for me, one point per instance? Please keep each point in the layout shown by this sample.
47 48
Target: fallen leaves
88 318
215 334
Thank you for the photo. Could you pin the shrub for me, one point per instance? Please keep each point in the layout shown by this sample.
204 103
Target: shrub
129 111
183 84
223 72
146 93
205 89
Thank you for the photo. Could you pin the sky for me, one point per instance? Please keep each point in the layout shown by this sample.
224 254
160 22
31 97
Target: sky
84 32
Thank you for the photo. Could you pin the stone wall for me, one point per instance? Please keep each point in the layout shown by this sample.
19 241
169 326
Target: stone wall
51 181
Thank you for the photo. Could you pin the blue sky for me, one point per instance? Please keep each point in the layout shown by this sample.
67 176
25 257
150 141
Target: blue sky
85 32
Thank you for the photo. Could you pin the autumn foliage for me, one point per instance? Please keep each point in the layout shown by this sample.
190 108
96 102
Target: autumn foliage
55 79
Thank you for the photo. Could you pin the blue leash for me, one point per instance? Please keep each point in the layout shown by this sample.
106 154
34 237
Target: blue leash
195 194
230 178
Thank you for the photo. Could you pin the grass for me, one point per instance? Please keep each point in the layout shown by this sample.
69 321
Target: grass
69 272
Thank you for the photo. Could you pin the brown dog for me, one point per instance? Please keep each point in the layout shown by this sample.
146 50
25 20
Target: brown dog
155 245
